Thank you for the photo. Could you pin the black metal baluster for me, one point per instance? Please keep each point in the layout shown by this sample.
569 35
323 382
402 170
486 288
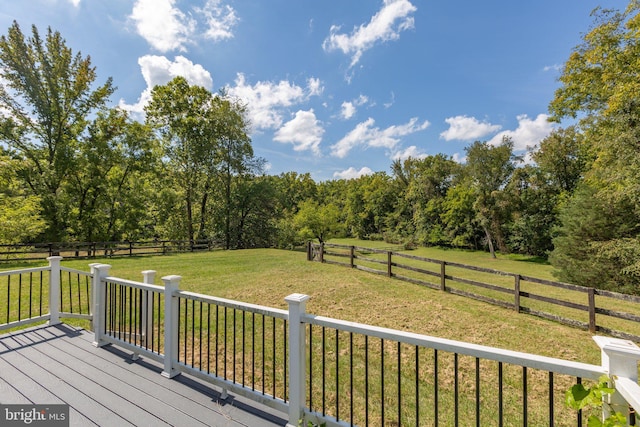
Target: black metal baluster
382 379
500 396
178 327
224 362
193 331
273 355
417 386
284 358
263 353
79 294
30 293
310 367
551 398
86 281
253 351
70 291
159 324
243 336
217 333
200 338
19 297
455 389
40 311
477 392
233 375
9 297
579 381
524 396
351 378
399 387
337 376
208 338
323 371
366 380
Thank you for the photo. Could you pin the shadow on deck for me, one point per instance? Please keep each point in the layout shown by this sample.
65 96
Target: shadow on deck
105 386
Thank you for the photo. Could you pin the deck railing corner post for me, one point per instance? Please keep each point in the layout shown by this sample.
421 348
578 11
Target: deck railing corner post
620 359
99 272
297 358
54 289
171 325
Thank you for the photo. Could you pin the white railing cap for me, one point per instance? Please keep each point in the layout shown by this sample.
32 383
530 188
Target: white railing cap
618 346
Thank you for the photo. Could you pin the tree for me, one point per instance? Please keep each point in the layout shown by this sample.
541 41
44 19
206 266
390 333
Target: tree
46 99
600 235
490 169
20 218
321 222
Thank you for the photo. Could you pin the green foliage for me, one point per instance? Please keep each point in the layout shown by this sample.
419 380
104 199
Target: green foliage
47 97
316 221
579 397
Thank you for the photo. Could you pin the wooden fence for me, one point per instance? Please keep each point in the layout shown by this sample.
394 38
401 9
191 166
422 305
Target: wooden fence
69 250
588 308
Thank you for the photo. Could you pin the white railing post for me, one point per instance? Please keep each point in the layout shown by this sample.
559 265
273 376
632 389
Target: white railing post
171 324
620 359
149 277
54 289
92 293
297 358
99 271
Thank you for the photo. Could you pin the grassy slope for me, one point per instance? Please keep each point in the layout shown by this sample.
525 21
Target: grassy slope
266 276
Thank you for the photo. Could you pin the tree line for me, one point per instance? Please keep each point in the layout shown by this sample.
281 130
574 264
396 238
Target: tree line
75 169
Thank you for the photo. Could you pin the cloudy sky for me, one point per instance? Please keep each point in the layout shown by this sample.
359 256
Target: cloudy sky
337 88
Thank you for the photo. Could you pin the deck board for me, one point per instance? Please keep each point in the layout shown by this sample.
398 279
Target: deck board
104 386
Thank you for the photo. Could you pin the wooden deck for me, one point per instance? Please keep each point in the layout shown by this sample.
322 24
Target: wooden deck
58 364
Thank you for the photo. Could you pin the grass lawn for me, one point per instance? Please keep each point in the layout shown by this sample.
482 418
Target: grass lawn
267 276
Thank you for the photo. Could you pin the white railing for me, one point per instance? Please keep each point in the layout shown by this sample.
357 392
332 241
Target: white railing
331 371
44 294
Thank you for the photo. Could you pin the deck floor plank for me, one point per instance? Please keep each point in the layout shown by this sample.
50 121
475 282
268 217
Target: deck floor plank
104 386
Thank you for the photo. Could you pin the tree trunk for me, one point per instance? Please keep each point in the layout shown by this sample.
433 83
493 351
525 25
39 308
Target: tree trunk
489 242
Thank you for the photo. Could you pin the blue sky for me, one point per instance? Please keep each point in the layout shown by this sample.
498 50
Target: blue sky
337 88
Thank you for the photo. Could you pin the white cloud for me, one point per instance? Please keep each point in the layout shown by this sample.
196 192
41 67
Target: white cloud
365 134
161 24
265 100
412 151
75 3
165 27
159 70
303 131
393 18
348 108
554 67
527 134
459 158
352 173
467 128
314 86
220 20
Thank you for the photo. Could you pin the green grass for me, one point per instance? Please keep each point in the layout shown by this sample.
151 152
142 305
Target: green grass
267 276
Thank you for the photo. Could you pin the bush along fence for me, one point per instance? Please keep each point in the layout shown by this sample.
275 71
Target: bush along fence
587 308
321 370
70 250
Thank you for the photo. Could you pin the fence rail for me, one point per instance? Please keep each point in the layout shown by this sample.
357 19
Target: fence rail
586 308
75 250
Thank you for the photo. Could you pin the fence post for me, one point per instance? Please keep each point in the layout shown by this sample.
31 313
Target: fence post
620 359
592 310
389 273
297 358
516 293
100 272
322 252
54 289
146 316
352 254
171 325
443 279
